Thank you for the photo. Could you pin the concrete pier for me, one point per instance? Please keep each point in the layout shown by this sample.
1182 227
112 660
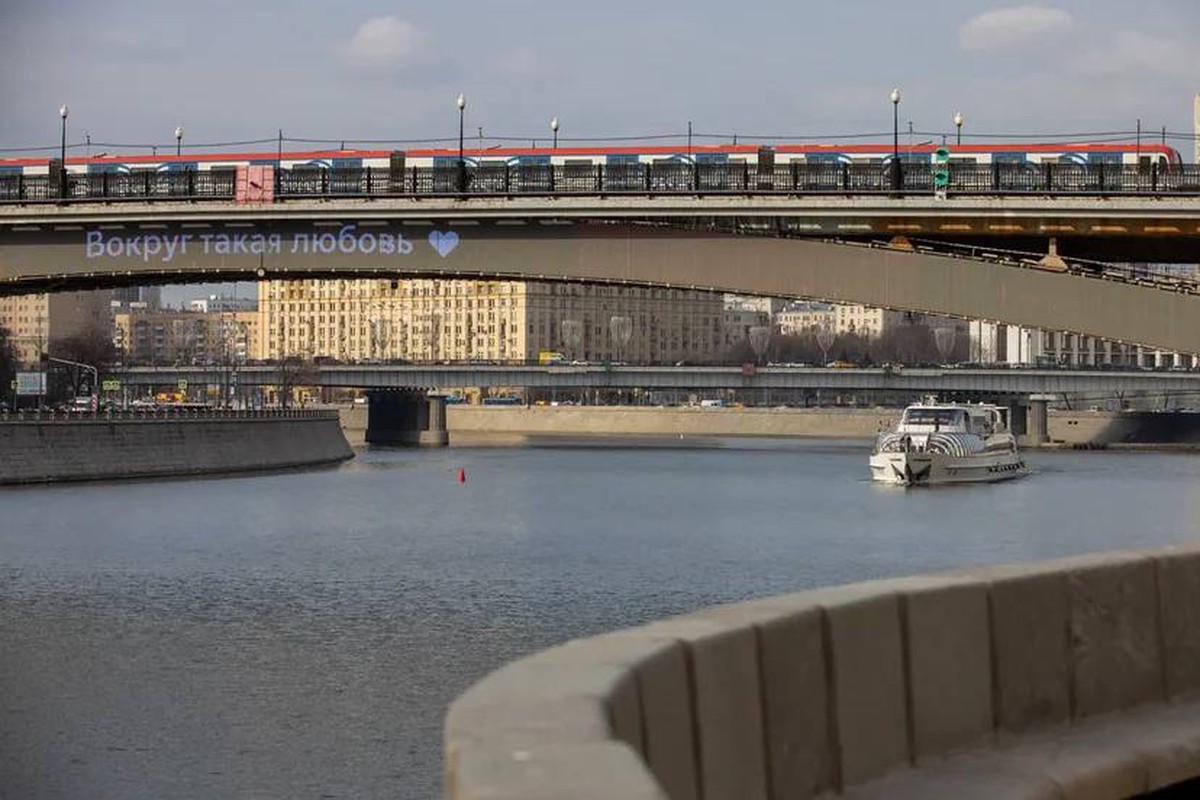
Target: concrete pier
406 417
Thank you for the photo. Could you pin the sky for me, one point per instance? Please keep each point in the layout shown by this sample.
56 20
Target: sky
367 70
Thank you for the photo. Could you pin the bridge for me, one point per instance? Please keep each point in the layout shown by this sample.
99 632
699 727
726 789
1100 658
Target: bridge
1024 256
441 377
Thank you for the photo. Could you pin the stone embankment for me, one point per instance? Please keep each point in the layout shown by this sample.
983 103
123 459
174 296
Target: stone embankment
47 448
1076 678
471 424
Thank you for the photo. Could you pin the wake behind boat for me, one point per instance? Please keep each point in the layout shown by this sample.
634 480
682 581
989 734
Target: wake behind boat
936 443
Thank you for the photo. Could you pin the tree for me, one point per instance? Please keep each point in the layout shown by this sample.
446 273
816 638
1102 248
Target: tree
293 372
93 347
8 365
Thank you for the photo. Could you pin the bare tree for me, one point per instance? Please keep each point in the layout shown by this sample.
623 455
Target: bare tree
8 363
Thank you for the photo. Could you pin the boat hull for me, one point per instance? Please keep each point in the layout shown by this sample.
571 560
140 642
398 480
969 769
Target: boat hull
932 469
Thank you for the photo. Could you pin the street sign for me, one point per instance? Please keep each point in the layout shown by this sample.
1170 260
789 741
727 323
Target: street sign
31 383
111 385
182 385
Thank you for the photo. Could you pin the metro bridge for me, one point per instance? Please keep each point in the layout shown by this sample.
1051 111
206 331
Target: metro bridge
1008 254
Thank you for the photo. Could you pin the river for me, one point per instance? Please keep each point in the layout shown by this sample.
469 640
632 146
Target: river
300 634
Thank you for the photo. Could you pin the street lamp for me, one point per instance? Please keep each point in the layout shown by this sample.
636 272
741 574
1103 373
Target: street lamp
554 128
178 139
462 165
959 119
895 97
62 112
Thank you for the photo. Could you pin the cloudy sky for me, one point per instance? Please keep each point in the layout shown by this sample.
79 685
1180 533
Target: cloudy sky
131 70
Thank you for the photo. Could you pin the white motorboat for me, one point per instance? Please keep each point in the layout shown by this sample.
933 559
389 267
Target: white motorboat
937 443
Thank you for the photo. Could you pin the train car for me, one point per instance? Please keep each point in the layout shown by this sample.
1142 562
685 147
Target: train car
1014 166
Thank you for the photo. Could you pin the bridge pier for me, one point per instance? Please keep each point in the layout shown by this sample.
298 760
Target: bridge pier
406 417
1037 427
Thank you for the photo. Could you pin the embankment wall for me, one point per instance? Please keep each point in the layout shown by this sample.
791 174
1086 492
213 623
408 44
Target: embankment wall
43 450
478 423
1076 678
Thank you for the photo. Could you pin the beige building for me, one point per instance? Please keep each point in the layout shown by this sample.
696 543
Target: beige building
35 321
804 317
456 320
146 336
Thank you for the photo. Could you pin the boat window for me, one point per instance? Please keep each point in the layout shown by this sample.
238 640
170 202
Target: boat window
940 417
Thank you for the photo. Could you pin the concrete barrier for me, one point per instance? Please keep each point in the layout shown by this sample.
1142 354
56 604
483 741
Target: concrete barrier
46 448
1077 678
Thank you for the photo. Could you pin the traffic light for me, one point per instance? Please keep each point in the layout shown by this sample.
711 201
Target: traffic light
941 170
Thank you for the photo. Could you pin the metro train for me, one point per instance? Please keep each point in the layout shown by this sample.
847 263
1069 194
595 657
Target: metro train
781 155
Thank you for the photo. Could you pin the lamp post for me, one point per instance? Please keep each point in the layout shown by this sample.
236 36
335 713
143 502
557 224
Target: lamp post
462 165
959 119
895 97
178 139
554 128
62 112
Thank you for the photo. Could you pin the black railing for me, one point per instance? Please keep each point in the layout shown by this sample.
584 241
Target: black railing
667 178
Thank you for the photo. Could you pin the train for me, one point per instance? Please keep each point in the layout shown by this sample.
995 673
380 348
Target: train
1009 167
1082 153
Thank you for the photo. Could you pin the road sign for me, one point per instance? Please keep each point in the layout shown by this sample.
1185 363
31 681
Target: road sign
182 385
110 385
31 383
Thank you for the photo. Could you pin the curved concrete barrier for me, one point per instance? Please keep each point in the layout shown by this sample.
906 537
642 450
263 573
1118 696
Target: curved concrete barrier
1073 678
43 448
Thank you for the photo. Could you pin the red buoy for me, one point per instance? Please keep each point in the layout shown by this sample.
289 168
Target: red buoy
462 475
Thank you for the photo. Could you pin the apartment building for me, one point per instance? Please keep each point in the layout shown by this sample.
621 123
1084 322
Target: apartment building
455 320
35 321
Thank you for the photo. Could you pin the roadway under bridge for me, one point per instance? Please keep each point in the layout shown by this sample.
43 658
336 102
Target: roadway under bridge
817 248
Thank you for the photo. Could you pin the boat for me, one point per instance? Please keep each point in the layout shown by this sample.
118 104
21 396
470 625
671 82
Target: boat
939 443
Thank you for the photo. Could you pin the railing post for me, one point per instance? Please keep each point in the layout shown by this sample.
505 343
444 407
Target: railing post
600 178
1154 177
552 178
1047 179
795 175
647 167
995 176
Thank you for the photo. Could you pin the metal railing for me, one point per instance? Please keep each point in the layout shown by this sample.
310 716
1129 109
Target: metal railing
665 178
161 414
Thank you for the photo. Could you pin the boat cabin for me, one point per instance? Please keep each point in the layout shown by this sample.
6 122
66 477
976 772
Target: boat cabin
981 420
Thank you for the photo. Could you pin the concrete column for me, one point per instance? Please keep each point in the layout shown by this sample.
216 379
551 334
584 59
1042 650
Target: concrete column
435 434
1016 419
1036 425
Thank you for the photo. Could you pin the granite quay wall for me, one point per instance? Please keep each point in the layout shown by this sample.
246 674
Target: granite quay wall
481 423
1076 678
47 448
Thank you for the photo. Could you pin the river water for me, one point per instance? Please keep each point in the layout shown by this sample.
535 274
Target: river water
300 634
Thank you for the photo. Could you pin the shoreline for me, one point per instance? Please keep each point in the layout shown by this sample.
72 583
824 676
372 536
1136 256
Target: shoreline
498 425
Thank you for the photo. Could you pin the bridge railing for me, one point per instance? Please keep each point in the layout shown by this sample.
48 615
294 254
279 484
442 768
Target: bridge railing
666 178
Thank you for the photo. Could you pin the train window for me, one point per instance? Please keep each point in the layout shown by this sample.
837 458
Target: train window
1009 157
621 158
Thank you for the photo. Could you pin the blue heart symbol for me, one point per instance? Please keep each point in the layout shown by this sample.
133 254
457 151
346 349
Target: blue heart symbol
443 241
